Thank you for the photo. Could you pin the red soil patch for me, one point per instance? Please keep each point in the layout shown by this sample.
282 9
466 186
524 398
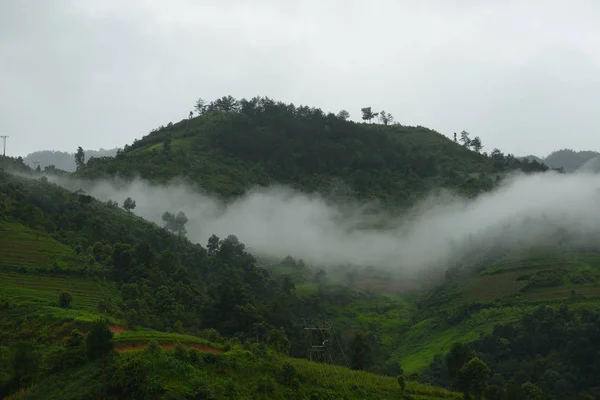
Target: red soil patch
118 329
140 345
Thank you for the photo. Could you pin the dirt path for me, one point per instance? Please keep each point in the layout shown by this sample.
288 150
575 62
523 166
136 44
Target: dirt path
134 345
118 329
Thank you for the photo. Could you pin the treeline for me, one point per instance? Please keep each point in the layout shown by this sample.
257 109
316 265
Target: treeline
234 144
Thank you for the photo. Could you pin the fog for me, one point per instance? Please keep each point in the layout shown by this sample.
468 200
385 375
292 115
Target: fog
278 221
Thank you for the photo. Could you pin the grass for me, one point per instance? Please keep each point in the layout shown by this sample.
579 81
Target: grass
25 289
343 381
501 290
161 337
21 247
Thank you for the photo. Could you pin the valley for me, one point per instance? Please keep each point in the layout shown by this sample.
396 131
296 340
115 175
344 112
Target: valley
101 300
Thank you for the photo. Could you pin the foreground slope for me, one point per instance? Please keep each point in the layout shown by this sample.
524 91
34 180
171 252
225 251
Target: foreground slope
228 150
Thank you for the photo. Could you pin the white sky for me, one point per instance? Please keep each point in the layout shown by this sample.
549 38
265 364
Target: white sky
523 75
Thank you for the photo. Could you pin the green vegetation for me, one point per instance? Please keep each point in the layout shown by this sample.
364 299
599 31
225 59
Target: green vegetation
97 302
235 145
150 285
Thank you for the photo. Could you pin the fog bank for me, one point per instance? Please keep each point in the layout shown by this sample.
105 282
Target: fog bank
277 221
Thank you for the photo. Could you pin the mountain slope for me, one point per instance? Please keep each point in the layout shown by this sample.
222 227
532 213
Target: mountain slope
262 142
141 278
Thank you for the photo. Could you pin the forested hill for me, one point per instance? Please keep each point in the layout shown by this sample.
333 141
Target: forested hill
61 159
231 145
569 160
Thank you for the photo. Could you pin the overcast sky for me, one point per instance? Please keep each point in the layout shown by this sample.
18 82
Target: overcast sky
523 75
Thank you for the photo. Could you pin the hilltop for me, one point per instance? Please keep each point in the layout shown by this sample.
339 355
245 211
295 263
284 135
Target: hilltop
569 160
233 145
61 159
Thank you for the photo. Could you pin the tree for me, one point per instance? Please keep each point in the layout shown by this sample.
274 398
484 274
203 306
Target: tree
99 340
533 391
80 158
175 223
65 299
213 245
476 144
360 348
472 377
129 204
191 115
343 114
367 114
402 382
385 118
464 138
455 140
180 221
200 106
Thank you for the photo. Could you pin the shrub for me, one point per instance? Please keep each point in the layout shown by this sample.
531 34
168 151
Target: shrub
65 299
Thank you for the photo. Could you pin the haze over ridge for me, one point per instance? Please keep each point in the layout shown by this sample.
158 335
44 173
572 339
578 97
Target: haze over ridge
525 210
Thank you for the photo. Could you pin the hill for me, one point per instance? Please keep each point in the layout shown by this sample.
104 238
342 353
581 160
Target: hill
73 267
62 159
569 160
234 145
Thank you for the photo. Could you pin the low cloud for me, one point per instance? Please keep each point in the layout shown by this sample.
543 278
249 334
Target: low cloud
524 211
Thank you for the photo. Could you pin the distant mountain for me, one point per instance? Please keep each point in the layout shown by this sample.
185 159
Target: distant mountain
62 159
570 160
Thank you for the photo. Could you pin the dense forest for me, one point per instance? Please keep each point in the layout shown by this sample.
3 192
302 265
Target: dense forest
97 302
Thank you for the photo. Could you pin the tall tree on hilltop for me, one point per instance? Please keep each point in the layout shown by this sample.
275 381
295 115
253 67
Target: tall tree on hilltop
80 158
464 138
386 118
225 103
367 114
200 106
343 114
476 144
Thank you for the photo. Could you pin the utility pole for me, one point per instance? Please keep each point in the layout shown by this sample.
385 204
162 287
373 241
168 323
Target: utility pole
4 145
318 333
4 151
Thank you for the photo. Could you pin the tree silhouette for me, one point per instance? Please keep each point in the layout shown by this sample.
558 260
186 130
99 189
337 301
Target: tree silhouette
129 204
343 114
367 114
80 157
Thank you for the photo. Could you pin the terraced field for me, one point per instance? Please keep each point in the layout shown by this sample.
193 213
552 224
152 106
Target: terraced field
126 340
24 248
27 289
